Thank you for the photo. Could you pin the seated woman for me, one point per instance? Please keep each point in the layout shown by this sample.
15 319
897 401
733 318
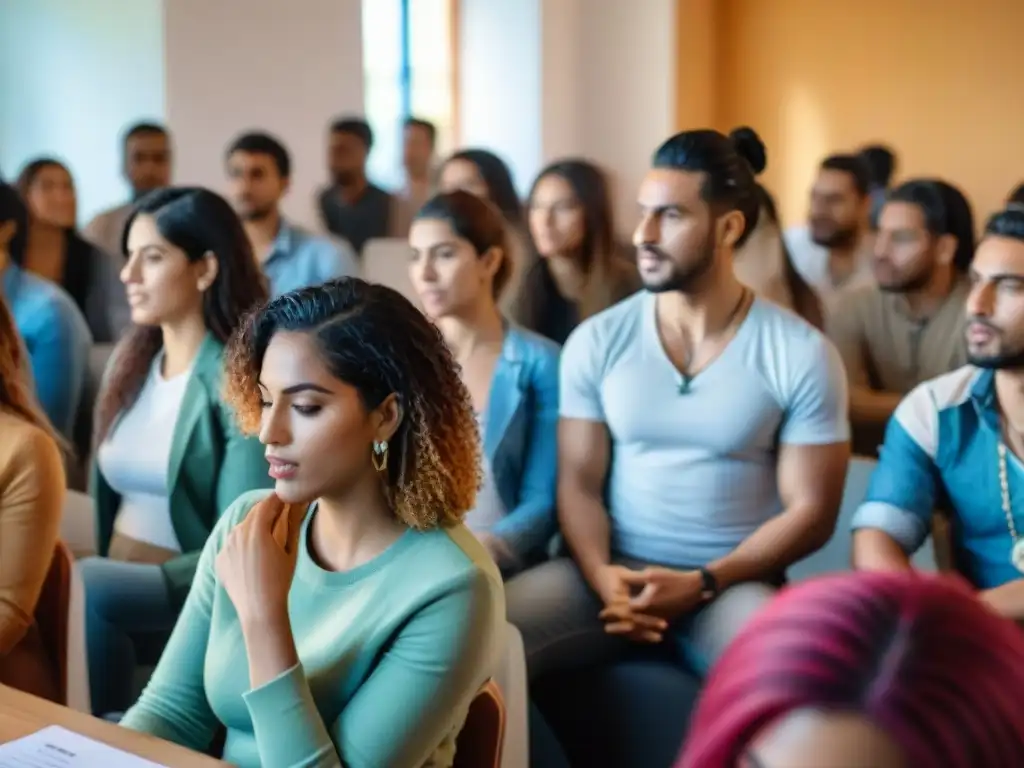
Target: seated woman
888 670
486 175
54 332
169 458
764 264
348 619
577 269
56 251
31 500
459 268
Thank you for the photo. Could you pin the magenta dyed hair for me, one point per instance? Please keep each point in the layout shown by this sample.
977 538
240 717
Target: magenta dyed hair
918 655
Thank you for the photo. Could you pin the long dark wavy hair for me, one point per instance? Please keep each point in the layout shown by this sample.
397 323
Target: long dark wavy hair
598 255
806 302
374 339
198 222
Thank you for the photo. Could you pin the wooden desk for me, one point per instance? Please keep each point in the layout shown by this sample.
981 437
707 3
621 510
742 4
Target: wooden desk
22 714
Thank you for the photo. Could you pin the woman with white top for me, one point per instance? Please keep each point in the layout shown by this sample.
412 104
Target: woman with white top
169 459
459 268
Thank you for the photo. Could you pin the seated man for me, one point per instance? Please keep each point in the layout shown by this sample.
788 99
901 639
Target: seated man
51 325
259 171
703 439
960 438
905 327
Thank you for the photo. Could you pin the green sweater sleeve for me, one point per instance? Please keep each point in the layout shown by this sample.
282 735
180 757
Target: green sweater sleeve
415 696
174 705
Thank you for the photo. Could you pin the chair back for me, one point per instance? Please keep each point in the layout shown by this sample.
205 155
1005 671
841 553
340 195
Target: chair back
480 741
52 613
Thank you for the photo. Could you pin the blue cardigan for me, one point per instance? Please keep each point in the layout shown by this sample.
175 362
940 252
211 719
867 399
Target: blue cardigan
57 339
520 440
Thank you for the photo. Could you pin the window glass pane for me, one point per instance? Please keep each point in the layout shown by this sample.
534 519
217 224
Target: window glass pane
430 52
430 84
382 87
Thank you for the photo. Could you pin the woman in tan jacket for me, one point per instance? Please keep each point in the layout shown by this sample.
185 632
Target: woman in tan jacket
31 499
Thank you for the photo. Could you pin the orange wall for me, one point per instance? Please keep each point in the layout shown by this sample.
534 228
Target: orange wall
942 81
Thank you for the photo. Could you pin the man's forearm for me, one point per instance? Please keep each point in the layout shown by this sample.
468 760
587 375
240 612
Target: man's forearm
584 523
875 550
773 547
1007 600
869 405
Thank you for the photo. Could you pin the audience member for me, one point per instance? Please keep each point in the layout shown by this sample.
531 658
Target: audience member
259 170
147 166
169 458
419 138
833 251
880 161
54 250
286 641
907 327
959 439
485 175
575 270
459 269
351 207
31 500
763 262
54 332
855 670
703 439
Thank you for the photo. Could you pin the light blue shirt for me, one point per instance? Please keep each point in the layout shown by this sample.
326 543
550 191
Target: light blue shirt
692 475
521 443
57 339
300 259
941 446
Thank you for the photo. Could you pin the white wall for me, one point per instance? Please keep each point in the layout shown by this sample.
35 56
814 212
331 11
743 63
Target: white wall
73 75
500 82
627 90
543 79
287 68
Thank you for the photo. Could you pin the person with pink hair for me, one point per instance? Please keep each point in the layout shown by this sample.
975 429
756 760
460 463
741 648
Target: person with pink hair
866 670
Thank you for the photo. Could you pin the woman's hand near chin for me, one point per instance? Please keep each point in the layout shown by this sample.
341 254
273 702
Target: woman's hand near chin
255 567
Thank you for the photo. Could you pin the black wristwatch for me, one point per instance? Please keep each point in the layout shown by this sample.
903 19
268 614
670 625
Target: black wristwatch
709 585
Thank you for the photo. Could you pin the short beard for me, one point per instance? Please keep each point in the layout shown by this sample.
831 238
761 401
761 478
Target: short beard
257 214
688 280
910 284
1005 361
842 238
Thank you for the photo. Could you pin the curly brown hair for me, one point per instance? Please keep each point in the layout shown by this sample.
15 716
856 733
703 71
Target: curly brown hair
374 339
198 222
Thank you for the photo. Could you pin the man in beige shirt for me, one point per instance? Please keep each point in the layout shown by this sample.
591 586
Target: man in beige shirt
147 166
908 327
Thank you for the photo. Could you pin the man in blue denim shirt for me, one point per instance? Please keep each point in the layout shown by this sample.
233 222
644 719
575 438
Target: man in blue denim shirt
959 439
258 169
55 333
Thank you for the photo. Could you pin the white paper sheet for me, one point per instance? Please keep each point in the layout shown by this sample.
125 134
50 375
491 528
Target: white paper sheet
56 747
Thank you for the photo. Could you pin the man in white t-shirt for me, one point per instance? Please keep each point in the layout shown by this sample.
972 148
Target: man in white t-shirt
832 251
703 438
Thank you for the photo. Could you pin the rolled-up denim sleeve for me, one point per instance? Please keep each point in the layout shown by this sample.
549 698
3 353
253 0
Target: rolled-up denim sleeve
904 486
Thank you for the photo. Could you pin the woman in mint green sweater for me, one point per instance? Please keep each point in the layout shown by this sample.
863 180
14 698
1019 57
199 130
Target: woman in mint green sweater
349 618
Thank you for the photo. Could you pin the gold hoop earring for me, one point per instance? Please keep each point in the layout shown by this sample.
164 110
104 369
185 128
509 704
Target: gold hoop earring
379 457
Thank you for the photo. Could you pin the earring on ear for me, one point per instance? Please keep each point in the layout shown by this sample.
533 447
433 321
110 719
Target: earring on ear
379 457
